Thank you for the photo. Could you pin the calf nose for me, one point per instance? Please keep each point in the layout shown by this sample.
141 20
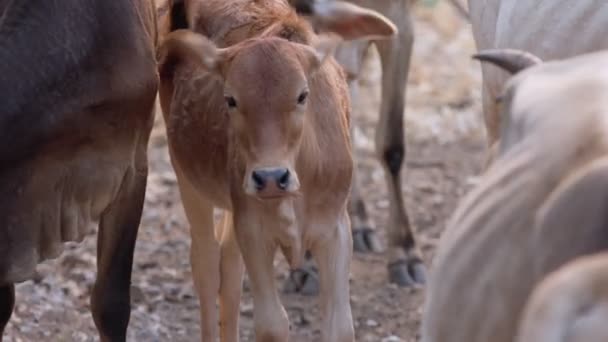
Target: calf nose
278 177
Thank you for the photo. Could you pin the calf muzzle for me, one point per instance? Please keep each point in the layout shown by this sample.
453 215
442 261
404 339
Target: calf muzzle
271 182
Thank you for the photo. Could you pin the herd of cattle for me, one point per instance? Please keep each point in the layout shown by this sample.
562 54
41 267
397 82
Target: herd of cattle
255 96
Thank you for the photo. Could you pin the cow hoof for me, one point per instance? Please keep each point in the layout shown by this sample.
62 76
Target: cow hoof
407 272
365 240
303 281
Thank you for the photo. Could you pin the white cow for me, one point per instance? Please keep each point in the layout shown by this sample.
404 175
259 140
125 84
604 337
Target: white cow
541 204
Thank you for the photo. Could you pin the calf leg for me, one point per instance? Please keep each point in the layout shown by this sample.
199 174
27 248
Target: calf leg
333 255
231 281
364 238
405 263
303 280
204 256
7 303
270 318
110 300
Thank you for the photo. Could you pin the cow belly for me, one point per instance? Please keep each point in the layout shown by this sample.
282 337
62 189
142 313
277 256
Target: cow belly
51 201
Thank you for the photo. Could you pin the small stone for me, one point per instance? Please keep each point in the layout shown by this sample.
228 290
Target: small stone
137 295
371 323
472 181
247 309
392 338
437 200
168 178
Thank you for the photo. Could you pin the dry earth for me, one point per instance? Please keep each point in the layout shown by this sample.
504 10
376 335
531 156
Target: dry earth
445 146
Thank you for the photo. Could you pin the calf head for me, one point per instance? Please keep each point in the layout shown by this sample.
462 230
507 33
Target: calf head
266 85
267 90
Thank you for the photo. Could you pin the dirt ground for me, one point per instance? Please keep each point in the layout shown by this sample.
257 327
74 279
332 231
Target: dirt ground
445 147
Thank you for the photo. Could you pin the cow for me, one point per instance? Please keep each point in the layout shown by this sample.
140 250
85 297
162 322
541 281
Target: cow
549 29
78 86
576 293
257 116
405 265
541 203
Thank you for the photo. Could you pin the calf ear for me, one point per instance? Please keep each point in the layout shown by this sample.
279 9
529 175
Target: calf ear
190 47
321 50
350 21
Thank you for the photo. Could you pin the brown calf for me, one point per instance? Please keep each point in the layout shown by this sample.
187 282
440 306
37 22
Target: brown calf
78 81
405 263
540 205
259 128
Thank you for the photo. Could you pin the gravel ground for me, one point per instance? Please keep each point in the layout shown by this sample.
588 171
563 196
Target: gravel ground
445 146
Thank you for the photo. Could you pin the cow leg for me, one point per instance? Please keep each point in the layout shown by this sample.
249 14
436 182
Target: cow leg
231 281
7 303
333 255
364 237
491 112
270 318
110 300
491 116
405 262
204 256
305 279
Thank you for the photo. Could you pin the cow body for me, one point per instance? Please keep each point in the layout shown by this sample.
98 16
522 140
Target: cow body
280 171
540 205
78 85
548 29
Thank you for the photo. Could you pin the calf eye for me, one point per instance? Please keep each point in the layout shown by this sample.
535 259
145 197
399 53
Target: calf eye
230 101
302 98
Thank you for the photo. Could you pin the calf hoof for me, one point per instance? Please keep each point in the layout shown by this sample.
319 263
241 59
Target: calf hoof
304 281
365 240
407 272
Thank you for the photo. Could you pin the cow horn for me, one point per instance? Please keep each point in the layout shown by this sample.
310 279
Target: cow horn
510 60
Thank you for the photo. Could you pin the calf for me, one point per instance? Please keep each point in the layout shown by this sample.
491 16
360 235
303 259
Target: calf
259 129
541 204
405 263
550 29
78 84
